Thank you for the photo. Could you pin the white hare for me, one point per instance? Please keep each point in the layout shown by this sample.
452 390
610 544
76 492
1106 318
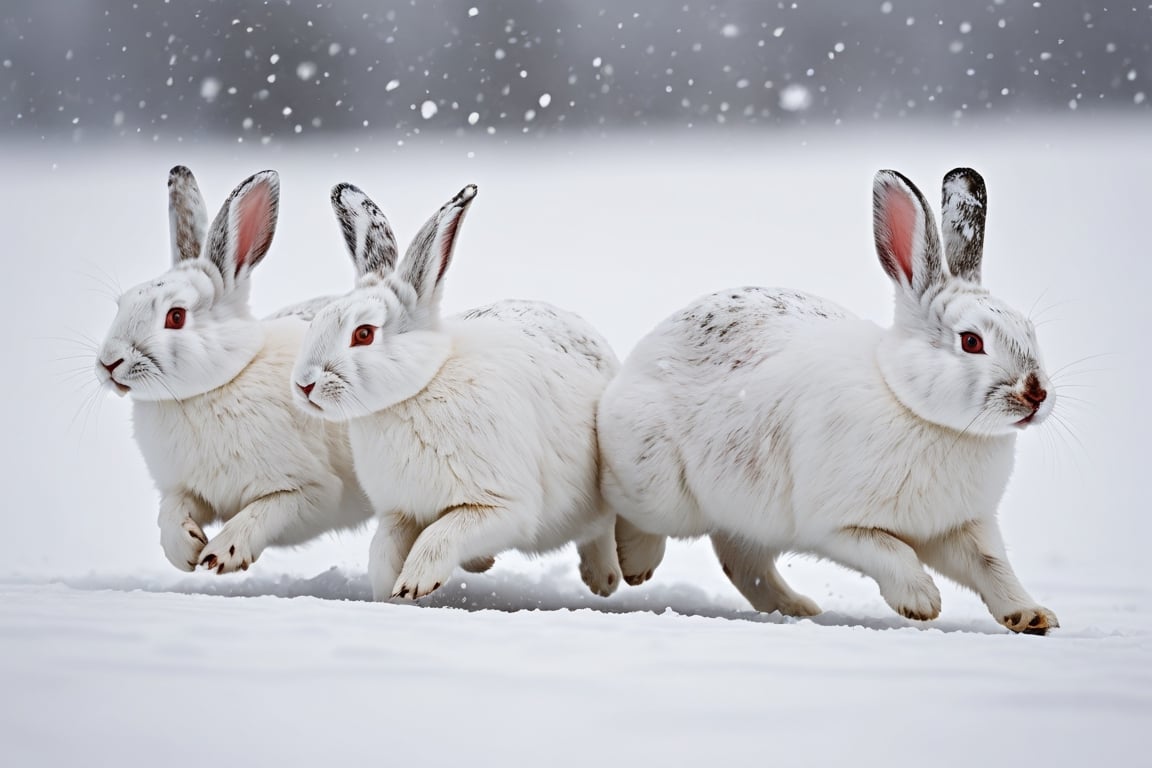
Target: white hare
775 421
473 434
212 397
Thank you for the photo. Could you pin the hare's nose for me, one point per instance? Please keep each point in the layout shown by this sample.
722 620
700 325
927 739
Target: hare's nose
111 366
1033 392
307 388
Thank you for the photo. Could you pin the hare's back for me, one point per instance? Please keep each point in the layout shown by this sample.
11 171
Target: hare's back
730 330
553 330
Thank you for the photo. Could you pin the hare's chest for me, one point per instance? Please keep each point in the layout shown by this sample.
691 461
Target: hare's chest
419 466
226 450
938 491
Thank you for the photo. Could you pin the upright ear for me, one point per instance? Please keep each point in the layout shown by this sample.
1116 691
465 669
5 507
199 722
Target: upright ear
962 216
366 232
187 214
905 231
242 232
430 253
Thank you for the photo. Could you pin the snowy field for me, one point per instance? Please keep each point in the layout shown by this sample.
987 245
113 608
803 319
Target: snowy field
109 656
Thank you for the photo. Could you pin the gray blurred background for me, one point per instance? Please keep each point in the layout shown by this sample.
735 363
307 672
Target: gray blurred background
272 71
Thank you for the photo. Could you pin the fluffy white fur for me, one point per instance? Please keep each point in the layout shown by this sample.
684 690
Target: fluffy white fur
774 421
471 436
212 404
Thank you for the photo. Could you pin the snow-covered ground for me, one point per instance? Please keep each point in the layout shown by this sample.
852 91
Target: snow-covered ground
107 655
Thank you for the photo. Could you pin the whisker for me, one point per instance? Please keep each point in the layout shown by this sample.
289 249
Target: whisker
1085 359
104 278
1050 307
1032 308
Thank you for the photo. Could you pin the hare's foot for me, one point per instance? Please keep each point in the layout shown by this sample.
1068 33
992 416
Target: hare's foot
230 550
1035 620
917 598
598 566
639 552
183 541
422 575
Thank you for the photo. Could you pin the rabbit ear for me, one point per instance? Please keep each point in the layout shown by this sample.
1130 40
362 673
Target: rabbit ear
366 232
962 218
242 232
187 214
905 231
430 253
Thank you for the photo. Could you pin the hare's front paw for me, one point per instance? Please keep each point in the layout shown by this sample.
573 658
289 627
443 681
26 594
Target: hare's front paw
1035 620
182 543
421 576
917 599
229 551
602 577
639 552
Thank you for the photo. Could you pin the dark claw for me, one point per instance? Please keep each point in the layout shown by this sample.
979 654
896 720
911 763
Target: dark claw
244 565
209 561
232 550
435 587
403 592
220 570
1035 631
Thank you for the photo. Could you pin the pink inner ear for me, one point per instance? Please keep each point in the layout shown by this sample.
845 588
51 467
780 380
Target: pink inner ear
251 223
447 240
899 214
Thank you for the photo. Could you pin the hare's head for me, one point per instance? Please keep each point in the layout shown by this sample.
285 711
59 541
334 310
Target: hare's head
190 330
956 355
381 343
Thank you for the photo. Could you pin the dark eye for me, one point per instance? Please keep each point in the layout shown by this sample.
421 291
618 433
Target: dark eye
363 336
972 343
175 319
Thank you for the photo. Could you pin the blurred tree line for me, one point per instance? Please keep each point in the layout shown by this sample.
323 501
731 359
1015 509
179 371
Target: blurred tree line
276 69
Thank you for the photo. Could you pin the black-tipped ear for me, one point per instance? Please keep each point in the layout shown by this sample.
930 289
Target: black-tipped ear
187 215
430 253
366 232
963 213
905 231
242 231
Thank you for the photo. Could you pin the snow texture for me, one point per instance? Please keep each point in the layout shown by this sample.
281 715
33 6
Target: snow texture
109 656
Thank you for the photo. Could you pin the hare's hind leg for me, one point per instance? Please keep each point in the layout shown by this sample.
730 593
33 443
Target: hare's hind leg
752 570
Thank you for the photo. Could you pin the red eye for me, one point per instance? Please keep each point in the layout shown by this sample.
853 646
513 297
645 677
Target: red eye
972 343
363 336
175 319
